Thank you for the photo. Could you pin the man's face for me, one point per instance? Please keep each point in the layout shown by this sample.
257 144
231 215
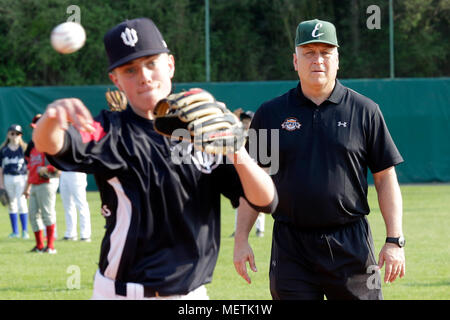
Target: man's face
316 63
145 81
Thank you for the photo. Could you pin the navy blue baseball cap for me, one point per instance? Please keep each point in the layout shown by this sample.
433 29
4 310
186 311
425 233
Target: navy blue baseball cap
16 128
133 39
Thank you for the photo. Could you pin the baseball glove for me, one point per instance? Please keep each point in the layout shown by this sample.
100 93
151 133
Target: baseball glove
4 199
44 173
117 101
211 126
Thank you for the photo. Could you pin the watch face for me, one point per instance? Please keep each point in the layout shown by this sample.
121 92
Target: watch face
401 242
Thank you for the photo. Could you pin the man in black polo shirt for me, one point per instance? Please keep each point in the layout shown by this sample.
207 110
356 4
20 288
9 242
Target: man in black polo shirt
329 135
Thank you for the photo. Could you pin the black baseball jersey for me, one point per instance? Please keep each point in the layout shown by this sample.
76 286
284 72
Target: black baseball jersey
324 153
160 200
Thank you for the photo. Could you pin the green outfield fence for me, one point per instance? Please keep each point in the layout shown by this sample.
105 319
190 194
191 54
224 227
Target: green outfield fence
417 112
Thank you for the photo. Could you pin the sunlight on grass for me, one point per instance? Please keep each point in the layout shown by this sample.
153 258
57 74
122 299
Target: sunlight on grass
30 276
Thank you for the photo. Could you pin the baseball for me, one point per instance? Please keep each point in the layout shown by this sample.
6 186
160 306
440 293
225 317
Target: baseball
68 37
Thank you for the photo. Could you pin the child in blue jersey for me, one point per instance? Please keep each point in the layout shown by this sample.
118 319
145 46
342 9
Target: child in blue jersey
13 177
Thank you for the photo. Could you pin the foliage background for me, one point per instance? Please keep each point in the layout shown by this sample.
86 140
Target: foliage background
251 40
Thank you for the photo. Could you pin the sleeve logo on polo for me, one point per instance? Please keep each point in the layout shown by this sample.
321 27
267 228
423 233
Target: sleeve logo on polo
291 124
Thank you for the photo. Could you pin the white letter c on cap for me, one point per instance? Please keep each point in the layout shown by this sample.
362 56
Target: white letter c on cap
316 28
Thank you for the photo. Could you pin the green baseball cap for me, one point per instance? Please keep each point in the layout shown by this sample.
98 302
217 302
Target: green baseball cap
312 31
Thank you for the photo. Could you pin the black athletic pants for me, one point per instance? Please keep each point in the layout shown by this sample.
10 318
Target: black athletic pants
337 263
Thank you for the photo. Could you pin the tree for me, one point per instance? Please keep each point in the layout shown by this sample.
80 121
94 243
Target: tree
251 40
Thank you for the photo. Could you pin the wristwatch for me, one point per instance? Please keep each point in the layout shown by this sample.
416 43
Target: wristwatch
400 241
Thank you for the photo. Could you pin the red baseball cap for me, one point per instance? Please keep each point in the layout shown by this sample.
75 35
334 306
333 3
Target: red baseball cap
35 119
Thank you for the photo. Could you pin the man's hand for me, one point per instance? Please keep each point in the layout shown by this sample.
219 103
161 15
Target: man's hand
390 202
243 253
48 135
394 259
70 110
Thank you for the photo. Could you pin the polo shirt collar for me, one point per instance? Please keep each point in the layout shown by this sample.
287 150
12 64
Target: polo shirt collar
335 97
337 93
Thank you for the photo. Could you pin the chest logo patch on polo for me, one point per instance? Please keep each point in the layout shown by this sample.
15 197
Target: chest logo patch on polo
291 124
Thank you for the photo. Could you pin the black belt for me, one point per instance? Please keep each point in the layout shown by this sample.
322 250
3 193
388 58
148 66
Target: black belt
121 290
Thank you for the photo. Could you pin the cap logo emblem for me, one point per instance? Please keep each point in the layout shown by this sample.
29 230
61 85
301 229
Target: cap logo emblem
291 124
316 28
342 124
129 37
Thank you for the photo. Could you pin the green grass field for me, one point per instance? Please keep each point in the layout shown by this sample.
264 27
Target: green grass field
28 276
